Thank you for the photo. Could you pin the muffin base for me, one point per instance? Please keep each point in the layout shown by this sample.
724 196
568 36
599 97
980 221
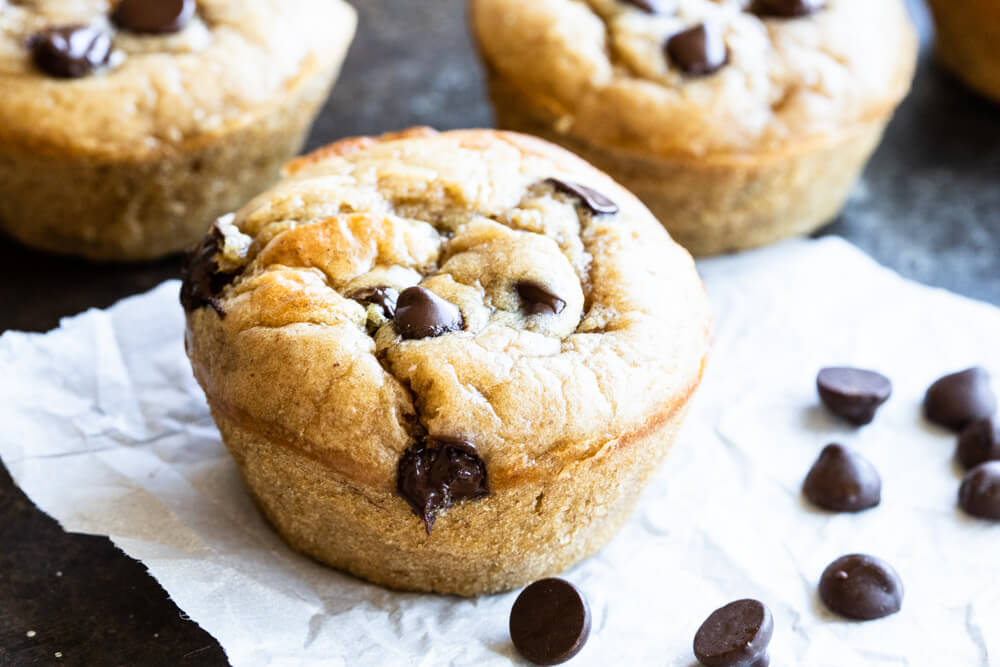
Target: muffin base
717 204
525 530
120 209
968 42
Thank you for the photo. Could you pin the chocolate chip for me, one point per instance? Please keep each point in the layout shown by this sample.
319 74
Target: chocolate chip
156 17
434 476
979 443
550 622
384 297
203 281
786 8
421 313
69 52
699 50
592 200
654 6
959 399
736 635
979 494
861 587
538 300
843 481
853 393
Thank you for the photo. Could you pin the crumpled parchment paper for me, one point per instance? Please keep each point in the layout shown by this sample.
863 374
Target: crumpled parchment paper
107 431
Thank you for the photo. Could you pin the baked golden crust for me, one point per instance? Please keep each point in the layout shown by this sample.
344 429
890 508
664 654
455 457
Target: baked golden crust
968 42
296 371
598 67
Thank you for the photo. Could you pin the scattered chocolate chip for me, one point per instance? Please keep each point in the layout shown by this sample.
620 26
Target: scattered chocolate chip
538 300
861 587
203 281
550 622
434 476
699 50
593 200
979 494
959 399
155 17
842 480
421 313
786 8
736 635
69 52
853 393
979 443
654 6
384 297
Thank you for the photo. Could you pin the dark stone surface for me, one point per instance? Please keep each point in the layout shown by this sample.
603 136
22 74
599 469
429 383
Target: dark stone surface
929 207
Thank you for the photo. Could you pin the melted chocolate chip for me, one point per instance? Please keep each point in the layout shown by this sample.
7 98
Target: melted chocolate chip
591 199
202 279
384 297
70 52
698 51
550 622
853 393
979 443
421 313
434 476
654 6
155 17
959 399
538 300
979 494
786 8
736 635
861 587
843 481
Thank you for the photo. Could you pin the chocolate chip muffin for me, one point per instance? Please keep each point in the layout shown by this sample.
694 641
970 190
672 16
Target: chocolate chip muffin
737 122
445 362
968 42
126 127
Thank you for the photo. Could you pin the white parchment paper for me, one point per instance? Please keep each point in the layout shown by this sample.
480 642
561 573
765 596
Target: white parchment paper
107 431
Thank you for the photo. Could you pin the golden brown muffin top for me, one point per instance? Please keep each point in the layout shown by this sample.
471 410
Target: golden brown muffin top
154 92
604 70
570 319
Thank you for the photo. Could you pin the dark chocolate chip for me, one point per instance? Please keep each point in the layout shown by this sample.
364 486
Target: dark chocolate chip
853 393
842 480
861 587
155 17
70 52
654 6
979 494
384 297
203 281
592 200
538 300
550 622
421 313
979 443
699 50
786 8
736 635
435 475
957 400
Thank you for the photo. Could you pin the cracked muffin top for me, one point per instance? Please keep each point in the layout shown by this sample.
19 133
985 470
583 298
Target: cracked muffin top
475 287
702 77
140 77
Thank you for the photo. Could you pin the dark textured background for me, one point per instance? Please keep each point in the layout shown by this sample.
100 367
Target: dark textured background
929 207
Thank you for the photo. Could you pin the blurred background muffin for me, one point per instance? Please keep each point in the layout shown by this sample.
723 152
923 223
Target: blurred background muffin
968 41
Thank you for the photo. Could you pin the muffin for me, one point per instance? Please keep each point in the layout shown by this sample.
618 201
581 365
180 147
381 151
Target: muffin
126 127
445 362
968 42
737 124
